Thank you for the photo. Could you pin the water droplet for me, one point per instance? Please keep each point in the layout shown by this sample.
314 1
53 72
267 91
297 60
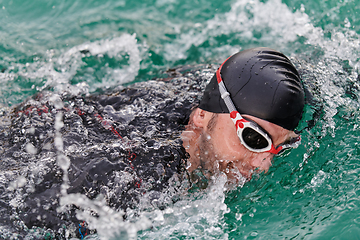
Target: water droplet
63 162
30 149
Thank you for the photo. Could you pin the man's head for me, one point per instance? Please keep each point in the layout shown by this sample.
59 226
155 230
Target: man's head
262 83
265 95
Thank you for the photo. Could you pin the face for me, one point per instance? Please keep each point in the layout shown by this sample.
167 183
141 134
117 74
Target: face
221 146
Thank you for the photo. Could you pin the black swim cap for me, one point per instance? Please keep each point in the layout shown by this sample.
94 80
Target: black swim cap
262 83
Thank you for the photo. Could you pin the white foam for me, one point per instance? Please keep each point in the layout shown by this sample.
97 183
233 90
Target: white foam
318 179
115 48
17 183
58 71
30 148
200 214
276 23
109 223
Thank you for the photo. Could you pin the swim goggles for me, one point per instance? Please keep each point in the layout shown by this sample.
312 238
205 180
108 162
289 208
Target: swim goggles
251 135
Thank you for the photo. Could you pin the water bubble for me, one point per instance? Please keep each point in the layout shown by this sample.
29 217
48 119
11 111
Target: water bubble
178 105
56 100
16 154
59 143
159 217
347 23
318 179
47 146
238 216
63 162
17 183
31 130
30 149
58 121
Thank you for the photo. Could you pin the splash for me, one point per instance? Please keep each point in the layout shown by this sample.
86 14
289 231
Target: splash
120 49
250 21
62 142
200 214
109 223
115 60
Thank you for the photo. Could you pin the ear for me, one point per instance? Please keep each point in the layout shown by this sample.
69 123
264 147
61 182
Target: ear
201 118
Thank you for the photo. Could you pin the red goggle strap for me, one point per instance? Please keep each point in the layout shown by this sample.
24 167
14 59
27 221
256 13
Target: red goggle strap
274 150
281 147
237 119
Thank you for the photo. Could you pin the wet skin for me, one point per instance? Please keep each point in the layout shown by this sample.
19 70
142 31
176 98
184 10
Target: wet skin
224 150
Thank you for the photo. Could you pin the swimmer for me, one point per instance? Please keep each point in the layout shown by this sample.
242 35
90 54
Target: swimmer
247 115
126 146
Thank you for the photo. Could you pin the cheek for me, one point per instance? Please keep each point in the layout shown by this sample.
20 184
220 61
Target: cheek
226 141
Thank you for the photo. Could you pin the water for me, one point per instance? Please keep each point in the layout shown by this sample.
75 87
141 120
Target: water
90 46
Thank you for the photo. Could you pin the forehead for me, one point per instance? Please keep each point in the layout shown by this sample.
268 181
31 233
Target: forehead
278 134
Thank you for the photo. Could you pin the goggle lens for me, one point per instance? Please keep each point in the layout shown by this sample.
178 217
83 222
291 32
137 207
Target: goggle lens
254 139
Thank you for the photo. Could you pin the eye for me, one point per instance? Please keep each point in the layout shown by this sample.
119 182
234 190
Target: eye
254 139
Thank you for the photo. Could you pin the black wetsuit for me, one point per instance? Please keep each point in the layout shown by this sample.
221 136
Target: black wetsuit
123 145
